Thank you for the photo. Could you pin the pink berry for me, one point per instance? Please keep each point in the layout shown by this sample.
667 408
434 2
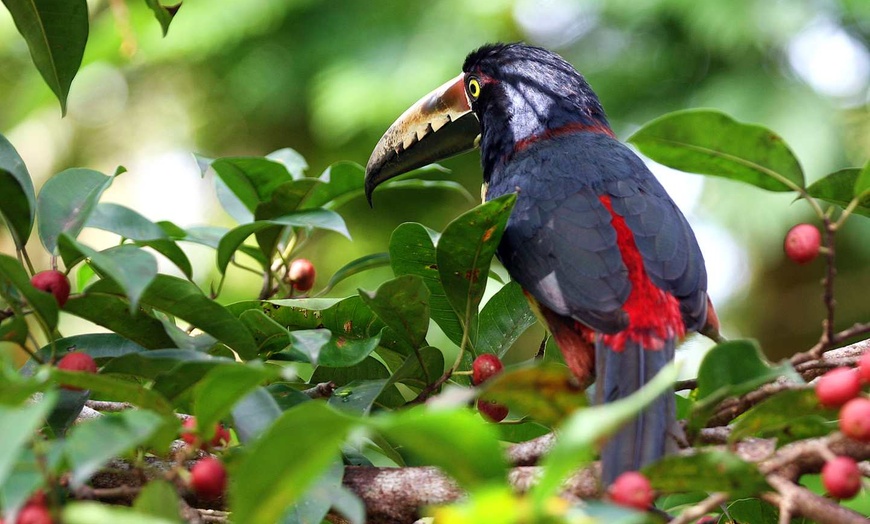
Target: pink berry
633 490
208 478
188 434
802 243
484 368
838 386
841 477
54 282
77 361
855 419
301 273
491 410
864 367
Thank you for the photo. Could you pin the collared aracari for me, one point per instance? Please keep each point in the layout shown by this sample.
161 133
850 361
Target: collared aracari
605 257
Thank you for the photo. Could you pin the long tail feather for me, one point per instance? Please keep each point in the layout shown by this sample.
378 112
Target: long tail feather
645 438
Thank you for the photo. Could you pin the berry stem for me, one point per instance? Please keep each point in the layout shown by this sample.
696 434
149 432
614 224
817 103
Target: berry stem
828 282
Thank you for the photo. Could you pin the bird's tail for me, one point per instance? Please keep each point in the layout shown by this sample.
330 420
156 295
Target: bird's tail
644 439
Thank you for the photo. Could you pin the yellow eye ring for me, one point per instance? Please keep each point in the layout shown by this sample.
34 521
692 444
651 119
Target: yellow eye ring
473 88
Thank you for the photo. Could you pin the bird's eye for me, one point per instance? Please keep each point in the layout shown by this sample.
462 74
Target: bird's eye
473 88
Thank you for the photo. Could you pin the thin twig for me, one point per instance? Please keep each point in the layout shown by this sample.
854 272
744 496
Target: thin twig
828 295
700 509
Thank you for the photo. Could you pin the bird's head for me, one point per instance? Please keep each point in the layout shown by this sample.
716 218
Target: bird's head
507 97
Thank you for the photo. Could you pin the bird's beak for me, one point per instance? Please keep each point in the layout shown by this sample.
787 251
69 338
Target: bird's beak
438 126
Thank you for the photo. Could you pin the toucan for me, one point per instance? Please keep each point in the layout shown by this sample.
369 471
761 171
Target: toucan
605 257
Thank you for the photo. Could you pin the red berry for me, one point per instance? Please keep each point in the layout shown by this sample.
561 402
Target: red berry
484 368
54 282
841 477
802 243
301 274
188 434
208 478
838 386
864 367
855 419
633 490
492 410
34 514
77 361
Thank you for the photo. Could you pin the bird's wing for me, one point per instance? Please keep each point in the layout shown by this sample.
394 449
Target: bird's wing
560 245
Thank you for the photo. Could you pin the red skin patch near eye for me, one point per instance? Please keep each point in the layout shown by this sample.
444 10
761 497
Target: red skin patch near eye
654 315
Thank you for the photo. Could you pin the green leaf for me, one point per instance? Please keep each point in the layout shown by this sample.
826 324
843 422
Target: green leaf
403 305
862 184
100 513
548 393
464 253
251 179
412 252
91 444
184 300
579 436
368 369
712 143
787 416
129 266
355 267
113 313
290 159
420 369
340 182
349 317
357 397
732 368
254 413
315 218
276 470
163 13
709 471
17 426
170 250
14 329
15 289
217 393
18 206
151 364
286 199
839 188
503 319
56 32
124 222
66 201
159 499
115 388
457 441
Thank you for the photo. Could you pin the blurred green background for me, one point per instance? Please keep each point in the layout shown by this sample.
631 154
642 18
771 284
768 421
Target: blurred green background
327 78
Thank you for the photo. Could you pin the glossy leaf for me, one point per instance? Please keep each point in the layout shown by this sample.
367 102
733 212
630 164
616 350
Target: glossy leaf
357 397
115 388
276 470
862 184
184 300
580 434
14 329
438 437
113 313
339 183
18 206
412 252
254 413
130 267
124 222
100 513
349 317
170 250
251 179
66 202
547 393
368 369
354 267
839 188
708 471
403 305
712 143
420 369
92 444
163 13
290 159
158 498
286 199
56 32
318 499
735 367
504 318
103 347
220 389
787 416
464 253
17 427
15 289
315 218
270 336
